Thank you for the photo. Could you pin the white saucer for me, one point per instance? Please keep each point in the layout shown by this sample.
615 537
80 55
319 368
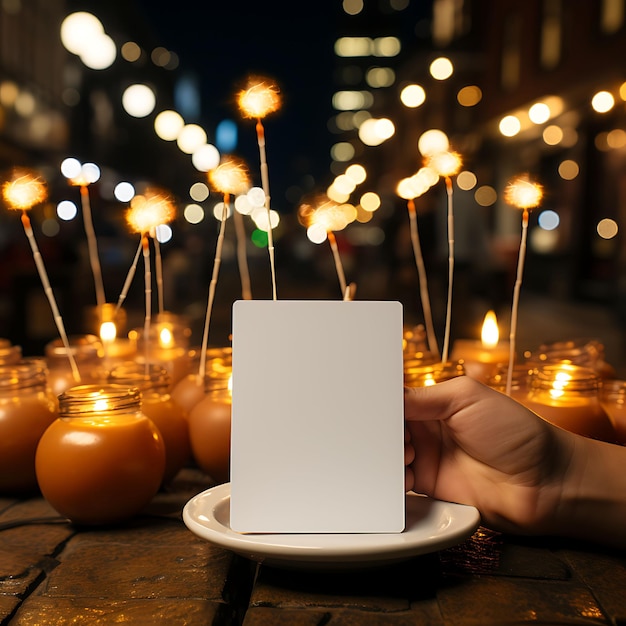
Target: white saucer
431 525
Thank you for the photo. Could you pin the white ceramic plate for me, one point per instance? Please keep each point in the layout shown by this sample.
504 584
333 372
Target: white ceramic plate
430 525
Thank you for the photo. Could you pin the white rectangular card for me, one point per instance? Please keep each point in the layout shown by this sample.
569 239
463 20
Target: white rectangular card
317 442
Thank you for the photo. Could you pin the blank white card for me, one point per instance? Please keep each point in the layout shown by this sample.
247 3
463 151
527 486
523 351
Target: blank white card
317 442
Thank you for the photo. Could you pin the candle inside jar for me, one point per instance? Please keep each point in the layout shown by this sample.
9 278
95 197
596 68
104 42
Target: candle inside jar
567 396
481 357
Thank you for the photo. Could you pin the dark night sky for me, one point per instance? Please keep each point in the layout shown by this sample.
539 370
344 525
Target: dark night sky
224 42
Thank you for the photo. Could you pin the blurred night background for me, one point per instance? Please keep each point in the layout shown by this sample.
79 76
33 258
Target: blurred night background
518 86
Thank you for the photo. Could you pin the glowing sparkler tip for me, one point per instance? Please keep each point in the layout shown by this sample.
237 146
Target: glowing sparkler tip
260 97
446 163
24 189
230 176
523 193
149 210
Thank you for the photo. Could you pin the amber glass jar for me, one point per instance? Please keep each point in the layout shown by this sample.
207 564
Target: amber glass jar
102 460
87 353
519 380
613 401
583 352
167 344
27 408
424 375
569 396
10 354
210 426
157 404
191 389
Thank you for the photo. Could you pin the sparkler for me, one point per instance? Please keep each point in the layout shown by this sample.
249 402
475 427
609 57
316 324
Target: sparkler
143 219
22 192
322 217
409 189
89 173
162 205
229 177
524 194
260 98
447 164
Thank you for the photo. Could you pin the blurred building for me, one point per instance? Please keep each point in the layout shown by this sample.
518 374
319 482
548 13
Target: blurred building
533 86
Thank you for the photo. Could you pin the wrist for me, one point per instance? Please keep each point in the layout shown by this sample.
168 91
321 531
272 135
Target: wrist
593 497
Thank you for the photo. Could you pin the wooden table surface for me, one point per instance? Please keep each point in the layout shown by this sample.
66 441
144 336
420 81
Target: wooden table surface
153 570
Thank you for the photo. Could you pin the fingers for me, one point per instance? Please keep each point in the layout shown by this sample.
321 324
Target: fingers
442 400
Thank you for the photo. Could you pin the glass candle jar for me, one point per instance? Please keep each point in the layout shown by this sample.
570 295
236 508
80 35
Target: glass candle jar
583 352
10 354
519 380
191 389
102 460
210 427
157 404
424 375
87 353
27 408
613 401
569 396
167 343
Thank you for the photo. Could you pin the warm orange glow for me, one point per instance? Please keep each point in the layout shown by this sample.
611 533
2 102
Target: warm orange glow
24 189
166 337
230 176
522 193
259 98
490 334
324 212
148 211
108 331
445 163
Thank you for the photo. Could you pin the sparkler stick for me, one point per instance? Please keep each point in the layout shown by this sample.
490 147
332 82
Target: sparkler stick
260 98
242 258
23 191
145 245
230 177
143 217
423 281
89 173
160 203
447 164
322 217
524 194
129 279
338 265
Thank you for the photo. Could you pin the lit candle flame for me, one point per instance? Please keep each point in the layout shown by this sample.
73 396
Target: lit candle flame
108 332
166 337
490 334
260 98
561 380
523 193
24 189
230 176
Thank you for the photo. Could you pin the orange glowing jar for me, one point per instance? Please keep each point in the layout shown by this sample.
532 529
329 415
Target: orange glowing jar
569 396
419 374
210 428
27 408
157 404
102 460
87 353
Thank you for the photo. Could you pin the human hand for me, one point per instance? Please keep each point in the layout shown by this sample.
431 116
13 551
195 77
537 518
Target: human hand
470 444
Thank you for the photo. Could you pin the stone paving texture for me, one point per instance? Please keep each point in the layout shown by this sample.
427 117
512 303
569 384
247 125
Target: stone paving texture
153 570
